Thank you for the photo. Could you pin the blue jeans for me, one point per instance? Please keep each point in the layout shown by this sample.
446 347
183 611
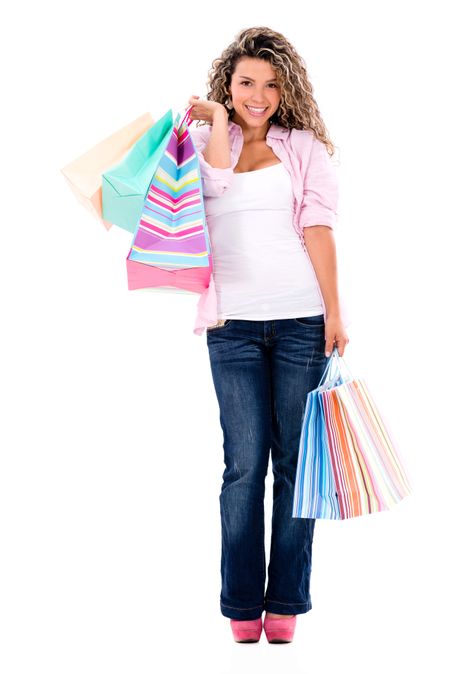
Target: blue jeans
262 372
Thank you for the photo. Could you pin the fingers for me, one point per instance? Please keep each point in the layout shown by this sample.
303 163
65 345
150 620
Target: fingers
328 347
192 101
330 343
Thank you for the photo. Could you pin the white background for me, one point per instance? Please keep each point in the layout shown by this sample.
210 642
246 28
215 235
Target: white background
111 448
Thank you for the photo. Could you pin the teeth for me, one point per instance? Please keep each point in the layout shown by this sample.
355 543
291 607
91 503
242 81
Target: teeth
255 109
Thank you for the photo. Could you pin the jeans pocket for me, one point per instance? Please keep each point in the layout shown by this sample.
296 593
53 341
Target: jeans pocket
317 321
221 323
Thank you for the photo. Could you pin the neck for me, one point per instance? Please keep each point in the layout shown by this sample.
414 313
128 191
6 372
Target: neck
250 133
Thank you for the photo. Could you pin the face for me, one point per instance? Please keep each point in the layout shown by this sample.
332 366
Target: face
254 85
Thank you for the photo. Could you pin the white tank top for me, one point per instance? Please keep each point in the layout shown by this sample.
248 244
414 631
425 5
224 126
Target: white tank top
260 269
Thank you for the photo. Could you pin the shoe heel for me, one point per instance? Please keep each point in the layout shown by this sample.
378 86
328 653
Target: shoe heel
280 630
246 631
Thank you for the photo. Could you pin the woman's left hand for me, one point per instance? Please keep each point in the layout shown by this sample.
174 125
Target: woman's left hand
335 334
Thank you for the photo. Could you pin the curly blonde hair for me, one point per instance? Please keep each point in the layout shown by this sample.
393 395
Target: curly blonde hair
298 108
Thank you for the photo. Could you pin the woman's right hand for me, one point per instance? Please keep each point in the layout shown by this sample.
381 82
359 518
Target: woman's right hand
205 110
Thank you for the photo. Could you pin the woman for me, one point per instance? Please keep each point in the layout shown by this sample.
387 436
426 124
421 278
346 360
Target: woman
270 198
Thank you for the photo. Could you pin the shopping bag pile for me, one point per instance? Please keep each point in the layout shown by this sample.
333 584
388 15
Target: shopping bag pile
171 244
125 184
347 462
146 179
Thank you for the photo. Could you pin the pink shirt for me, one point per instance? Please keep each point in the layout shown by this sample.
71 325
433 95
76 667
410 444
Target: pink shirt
314 183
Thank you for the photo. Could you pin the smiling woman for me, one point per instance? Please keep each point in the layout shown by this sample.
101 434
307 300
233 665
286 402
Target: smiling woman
264 156
255 96
275 77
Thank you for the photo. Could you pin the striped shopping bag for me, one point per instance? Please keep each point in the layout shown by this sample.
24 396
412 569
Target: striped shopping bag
171 245
347 462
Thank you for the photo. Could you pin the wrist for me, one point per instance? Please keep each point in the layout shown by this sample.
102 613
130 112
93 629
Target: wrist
334 313
220 113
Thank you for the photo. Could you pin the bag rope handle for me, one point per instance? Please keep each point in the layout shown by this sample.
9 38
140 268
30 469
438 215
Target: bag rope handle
334 360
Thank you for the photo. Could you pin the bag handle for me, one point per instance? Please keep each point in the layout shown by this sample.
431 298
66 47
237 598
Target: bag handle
186 114
334 360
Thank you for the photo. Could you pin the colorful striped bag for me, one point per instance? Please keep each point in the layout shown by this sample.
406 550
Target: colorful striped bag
347 463
171 246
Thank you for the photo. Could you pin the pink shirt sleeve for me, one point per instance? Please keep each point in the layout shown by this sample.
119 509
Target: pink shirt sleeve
320 189
214 180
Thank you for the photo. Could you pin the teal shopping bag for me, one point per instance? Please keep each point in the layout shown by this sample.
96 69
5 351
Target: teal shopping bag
125 185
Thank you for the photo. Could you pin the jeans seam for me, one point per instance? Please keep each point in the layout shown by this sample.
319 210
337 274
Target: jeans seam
238 608
295 603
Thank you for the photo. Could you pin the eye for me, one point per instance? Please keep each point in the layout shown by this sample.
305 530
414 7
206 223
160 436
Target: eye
272 84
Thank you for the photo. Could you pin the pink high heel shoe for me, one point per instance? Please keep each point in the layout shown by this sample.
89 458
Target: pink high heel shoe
246 631
280 630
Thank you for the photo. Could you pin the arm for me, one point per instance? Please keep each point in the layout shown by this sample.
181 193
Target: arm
317 220
320 243
217 152
214 155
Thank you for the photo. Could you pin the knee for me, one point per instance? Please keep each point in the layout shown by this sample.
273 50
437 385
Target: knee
244 474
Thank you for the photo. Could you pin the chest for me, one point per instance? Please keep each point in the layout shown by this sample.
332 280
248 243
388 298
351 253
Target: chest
255 156
246 158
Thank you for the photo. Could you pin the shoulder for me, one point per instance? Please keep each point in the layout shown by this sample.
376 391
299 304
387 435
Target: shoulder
302 140
308 148
299 144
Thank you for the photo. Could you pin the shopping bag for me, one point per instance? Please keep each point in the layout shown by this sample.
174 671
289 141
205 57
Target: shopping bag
125 185
347 462
84 174
171 245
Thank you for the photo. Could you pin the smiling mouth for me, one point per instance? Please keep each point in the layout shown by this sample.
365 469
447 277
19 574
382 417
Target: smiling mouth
256 112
